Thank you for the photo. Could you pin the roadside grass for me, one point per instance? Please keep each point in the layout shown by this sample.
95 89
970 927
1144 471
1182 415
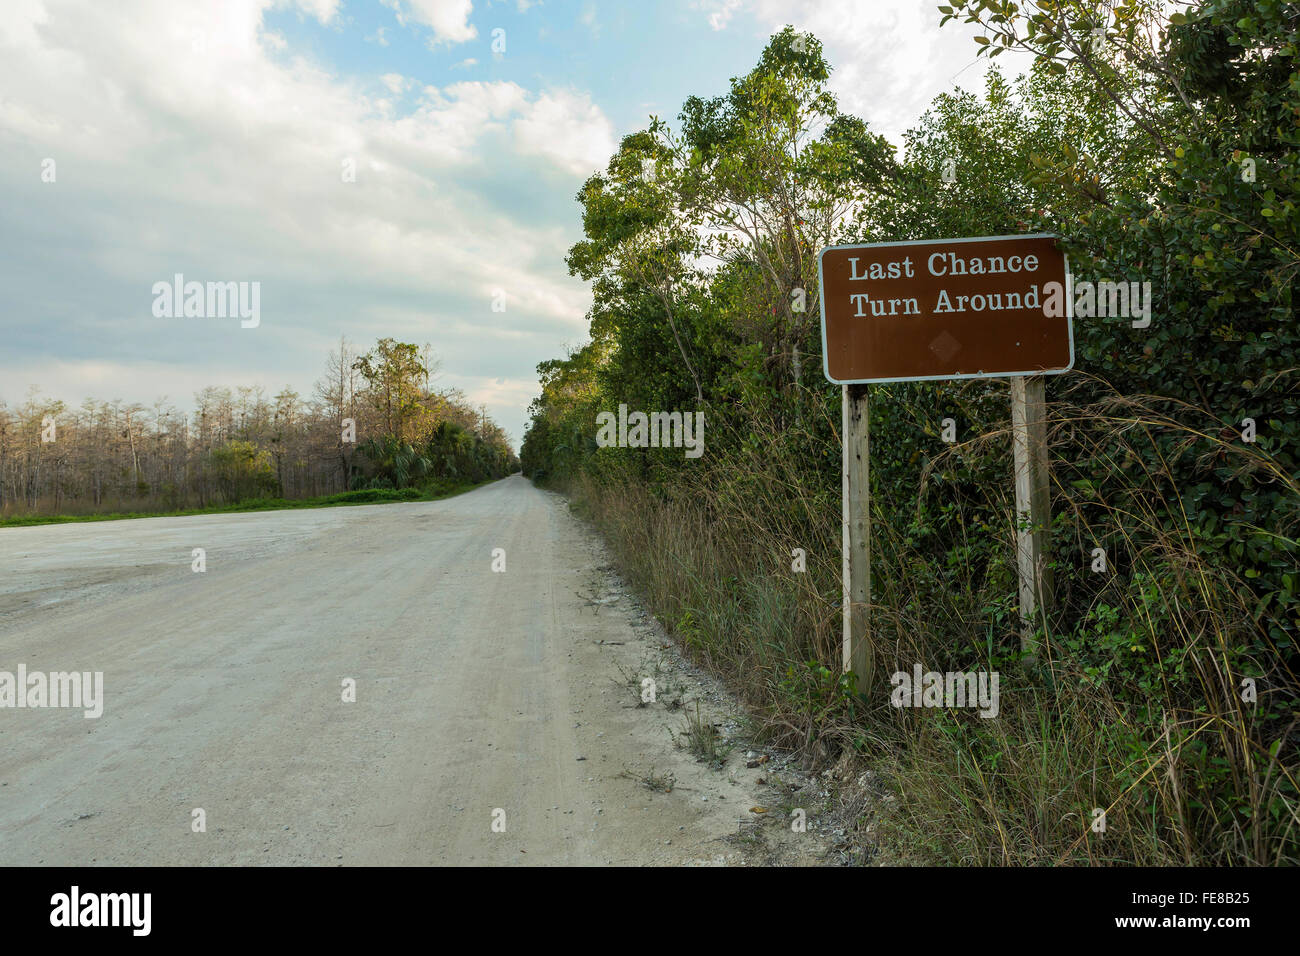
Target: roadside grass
669 690
702 740
652 780
1125 741
432 492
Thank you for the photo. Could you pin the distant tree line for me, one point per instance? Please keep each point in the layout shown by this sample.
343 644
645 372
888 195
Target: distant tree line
374 420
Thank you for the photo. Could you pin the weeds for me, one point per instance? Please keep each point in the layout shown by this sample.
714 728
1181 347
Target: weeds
658 782
1135 706
702 740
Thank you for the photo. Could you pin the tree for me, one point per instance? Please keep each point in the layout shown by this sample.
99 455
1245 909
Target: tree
394 373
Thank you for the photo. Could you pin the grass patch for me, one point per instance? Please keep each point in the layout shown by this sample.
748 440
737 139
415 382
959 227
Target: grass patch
701 739
658 782
1134 707
370 496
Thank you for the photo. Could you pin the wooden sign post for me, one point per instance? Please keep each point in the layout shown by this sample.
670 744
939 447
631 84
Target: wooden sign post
855 436
993 306
1033 513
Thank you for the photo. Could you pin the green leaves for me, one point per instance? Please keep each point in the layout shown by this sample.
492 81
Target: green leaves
1199 527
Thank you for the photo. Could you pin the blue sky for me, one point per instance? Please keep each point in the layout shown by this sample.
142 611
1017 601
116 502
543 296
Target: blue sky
207 138
636 58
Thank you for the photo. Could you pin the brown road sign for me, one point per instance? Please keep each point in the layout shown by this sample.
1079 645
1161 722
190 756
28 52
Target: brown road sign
950 308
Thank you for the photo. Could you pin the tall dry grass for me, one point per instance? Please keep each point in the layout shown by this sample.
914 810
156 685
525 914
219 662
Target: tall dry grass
1133 706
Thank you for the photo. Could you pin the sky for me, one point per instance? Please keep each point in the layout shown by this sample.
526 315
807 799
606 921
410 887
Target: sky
402 168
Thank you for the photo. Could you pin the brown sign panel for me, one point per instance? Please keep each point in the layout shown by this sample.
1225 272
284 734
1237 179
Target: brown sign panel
950 308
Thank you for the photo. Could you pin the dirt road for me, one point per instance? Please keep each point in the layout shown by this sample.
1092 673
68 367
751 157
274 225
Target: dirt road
480 696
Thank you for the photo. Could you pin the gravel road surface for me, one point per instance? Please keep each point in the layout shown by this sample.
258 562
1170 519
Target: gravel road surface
481 696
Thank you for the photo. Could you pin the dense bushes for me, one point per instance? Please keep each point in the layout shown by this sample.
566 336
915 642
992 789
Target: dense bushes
450 452
1134 154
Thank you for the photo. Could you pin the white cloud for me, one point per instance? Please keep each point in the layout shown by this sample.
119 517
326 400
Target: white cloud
495 392
449 19
569 129
322 10
890 59
20 20
719 11
588 18
226 165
